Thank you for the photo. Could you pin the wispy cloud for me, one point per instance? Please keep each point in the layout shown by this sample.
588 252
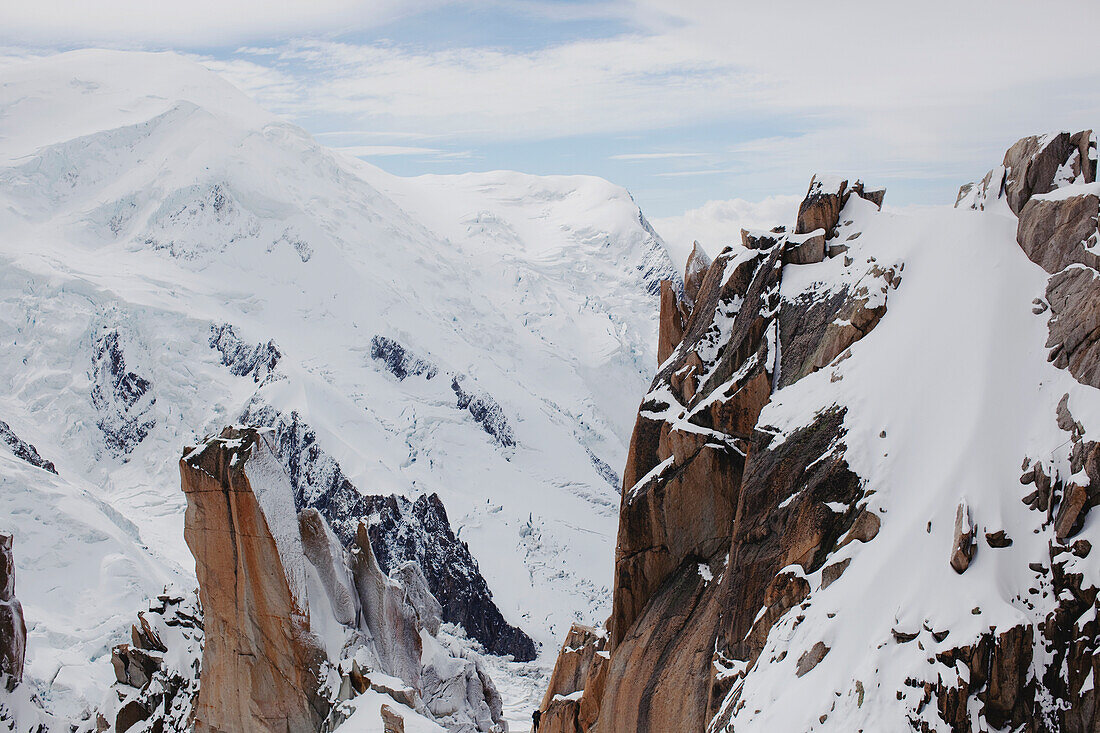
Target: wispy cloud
371 151
653 156
383 151
703 172
920 93
193 22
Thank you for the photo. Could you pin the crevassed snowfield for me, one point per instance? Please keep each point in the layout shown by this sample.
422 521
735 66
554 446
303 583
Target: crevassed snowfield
143 194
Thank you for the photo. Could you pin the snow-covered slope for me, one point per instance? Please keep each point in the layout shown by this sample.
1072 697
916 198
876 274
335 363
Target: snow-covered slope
146 205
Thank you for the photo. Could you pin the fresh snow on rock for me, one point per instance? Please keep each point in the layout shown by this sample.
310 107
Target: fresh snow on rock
945 398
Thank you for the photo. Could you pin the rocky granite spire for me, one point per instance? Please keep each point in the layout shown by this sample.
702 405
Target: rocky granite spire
756 507
13 629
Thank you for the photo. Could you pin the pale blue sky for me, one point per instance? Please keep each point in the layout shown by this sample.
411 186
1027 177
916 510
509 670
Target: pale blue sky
683 102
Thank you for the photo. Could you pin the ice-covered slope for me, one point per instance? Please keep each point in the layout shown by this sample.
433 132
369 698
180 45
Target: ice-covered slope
145 204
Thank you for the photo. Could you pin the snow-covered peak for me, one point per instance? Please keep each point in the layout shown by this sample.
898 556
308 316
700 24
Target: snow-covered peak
78 93
170 255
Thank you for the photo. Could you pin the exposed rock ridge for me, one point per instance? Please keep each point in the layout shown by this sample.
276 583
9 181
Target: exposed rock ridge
257 361
402 363
296 624
714 507
402 531
24 450
154 687
1034 677
1049 181
123 399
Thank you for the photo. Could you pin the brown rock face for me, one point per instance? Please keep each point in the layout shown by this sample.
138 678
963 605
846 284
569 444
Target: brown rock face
671 328
1054 233
659 675
582 643
712 511
392 722
562 715
805 249
811 658
815 329
581 667
757 239
13 629
998 666
821 207
698 263
1074 325
1034 165
1033 162
261 665
875 196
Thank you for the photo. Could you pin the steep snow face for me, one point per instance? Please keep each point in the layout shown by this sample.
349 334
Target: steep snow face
169 251
944 399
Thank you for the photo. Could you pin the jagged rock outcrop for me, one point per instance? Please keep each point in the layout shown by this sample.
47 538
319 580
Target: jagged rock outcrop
257 361
670 329
13 628
698 262
1057 232
965 542
290 613
154 687
402 530
387 613
1034 165
581 666
402 363
1006 684
24 450
261 664
825 198
716 510
1074 326
124 400
1045 180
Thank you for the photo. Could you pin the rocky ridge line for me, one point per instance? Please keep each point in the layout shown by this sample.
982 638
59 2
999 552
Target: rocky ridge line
706 494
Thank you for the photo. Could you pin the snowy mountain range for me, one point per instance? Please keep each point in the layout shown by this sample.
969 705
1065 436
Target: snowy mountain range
291 443
463 353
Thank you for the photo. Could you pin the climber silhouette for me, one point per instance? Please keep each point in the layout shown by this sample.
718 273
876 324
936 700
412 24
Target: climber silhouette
535 718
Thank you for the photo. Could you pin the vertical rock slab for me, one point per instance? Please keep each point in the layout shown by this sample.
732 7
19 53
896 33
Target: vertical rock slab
671 329
261 665
13 629
391 620
698 262
578 652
